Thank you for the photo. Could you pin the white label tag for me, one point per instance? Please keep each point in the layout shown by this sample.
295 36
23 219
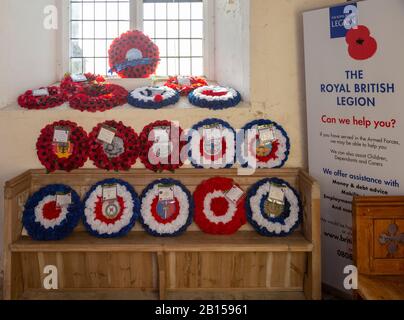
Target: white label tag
166 193
235 194
184 81
106 135
109 193
24 232
161 134
40 92
63 200
276 195
61 135
78 77
266 135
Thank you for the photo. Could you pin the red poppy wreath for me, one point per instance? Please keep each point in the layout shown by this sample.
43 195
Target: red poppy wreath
43 98
62 145
98 97
219 206
71 83
161 146
133 55
185 85
113 146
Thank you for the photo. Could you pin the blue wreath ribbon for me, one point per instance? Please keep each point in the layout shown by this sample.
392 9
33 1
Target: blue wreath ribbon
201 124
281 218
131 63
36 230
153 104
241 136
136 209
214 105
189 199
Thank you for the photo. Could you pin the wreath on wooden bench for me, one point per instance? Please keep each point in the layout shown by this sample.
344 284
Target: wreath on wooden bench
42 98
52 213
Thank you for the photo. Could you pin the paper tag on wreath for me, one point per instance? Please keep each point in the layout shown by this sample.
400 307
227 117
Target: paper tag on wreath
276 201
235 194
24 232
63 199
109 193
161 134
40 92
106 134
78 77
266 134
213 139
166 193
61 135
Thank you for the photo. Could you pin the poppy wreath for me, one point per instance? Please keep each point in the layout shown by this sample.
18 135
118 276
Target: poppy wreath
273 154
45 220
112 218
215 97
166 218
214 212
67 157
54 98
148 148
119 155
97 96
133 55
69 86
153 97
205 153
185 85
260 217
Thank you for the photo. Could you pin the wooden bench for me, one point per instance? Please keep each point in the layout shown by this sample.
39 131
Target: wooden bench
139 266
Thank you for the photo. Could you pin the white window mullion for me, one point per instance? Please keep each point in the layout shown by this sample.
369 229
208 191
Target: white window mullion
136 15
209 39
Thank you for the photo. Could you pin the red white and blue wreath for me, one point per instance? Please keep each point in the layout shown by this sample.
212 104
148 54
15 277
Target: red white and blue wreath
273 207
212 144
113 146
160 146
153 97
219 206
111 208
62 145
215 97
263 144
166 208
52 213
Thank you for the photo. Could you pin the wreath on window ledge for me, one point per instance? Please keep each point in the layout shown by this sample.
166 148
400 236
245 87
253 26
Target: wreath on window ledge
110 217
133 55
45 219
43 98
215 213
212 144
215 97
69 86
161 146
257 152
67 155
120 153
163 217
273 219
96 96
185 85
153 97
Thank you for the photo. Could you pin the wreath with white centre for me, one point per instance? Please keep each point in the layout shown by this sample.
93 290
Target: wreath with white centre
272 215
215 97
48 217
212 144
111 208
113 146
216 211
153 97
166 208
263 144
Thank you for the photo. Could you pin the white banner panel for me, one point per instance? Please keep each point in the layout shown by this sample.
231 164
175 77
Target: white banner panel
355 107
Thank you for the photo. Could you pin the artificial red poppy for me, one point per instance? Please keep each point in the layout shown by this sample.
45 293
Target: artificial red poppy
361 45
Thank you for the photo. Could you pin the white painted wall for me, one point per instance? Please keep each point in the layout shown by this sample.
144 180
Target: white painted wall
28 50
232 44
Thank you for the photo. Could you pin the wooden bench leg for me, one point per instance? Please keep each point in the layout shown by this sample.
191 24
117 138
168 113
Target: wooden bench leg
162 275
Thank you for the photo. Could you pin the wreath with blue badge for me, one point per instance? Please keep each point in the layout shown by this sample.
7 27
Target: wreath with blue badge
212 144
52 213
215 97
166 208
111 208
273 208
263 144
153 97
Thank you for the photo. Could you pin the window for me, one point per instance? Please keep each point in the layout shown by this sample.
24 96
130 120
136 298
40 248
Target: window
176 26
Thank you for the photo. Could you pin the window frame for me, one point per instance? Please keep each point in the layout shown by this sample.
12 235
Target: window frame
136 22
